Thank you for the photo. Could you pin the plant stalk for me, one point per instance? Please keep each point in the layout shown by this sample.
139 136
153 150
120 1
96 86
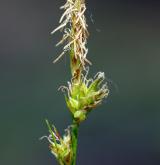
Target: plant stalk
74 133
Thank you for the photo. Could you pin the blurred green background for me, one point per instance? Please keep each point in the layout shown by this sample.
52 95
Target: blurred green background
124 43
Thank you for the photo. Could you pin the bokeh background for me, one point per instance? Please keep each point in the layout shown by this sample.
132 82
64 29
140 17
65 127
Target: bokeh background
124 43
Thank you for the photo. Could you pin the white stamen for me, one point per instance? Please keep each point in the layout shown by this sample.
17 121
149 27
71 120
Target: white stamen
58 57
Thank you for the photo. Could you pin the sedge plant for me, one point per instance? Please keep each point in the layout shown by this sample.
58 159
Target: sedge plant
82 94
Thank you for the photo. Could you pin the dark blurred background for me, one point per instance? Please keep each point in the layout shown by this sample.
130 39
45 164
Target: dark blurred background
124 43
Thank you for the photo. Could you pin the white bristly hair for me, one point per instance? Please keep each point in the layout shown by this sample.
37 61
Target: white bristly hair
73 24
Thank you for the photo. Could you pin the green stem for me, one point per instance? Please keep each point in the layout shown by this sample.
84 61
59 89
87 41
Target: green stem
74 141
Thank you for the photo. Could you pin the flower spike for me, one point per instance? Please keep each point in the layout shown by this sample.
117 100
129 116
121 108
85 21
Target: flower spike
86 95
74 26
60 146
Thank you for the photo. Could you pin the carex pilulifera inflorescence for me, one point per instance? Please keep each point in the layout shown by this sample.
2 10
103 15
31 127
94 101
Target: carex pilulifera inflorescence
82 94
